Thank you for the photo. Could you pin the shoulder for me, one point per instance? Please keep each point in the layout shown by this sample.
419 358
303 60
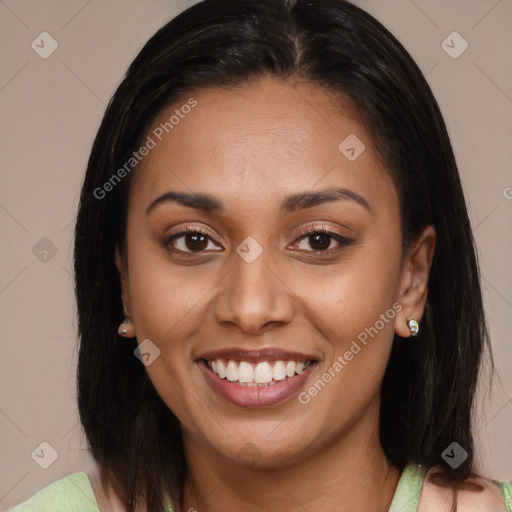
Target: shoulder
495 496
73 492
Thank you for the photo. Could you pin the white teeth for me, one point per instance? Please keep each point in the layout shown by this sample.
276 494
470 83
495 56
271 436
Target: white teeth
279 371
221 370
232 371
262 373
245 372
290 368
251 374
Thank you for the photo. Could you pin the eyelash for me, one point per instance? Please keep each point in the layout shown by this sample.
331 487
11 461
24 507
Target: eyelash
323 230
342 241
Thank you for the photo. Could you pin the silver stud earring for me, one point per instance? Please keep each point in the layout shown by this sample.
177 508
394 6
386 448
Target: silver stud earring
413 327
126 329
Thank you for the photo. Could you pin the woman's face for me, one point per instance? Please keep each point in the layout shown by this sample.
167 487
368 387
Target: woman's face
306 320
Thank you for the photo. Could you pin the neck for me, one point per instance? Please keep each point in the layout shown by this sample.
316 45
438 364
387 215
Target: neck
349 473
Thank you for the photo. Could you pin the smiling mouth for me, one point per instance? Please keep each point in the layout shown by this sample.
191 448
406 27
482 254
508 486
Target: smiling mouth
261 374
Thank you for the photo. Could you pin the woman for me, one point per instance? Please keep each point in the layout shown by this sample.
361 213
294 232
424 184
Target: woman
276 277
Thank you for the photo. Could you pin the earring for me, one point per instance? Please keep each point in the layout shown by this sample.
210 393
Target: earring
126 329
413 327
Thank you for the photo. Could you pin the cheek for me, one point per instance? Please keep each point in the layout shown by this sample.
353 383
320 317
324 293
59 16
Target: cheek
168 308
357 318
355 309
164 296
167 300
351 297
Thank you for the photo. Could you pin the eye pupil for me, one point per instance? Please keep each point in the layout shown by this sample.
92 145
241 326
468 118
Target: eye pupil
197 241
321 239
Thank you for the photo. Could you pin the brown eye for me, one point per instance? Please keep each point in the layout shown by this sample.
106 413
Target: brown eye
190 241
320 240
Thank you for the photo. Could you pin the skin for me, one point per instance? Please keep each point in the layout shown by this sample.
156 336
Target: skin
250 147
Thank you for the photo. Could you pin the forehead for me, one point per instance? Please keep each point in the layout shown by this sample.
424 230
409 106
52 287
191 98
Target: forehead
263 140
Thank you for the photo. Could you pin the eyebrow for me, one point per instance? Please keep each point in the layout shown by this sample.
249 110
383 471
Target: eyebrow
291 203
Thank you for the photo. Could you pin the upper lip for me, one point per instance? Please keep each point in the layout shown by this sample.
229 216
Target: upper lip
264 354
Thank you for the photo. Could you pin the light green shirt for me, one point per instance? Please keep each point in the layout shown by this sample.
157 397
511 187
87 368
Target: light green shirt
74 494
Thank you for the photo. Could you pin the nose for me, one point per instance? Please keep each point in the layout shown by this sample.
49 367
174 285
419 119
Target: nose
254 297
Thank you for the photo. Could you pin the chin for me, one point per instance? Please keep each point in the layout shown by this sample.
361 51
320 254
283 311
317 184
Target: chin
258 451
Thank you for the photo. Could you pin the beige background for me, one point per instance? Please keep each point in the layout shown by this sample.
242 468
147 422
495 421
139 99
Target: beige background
50 111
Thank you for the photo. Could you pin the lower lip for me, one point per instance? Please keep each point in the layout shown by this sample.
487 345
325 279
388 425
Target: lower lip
255 396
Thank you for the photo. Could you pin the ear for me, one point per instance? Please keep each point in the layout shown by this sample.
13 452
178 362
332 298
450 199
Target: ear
413 289
122 269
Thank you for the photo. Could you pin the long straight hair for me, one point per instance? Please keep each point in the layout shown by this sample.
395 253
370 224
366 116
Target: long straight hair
429 385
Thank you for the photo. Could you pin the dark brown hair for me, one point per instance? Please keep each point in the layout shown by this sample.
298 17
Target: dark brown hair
429 385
